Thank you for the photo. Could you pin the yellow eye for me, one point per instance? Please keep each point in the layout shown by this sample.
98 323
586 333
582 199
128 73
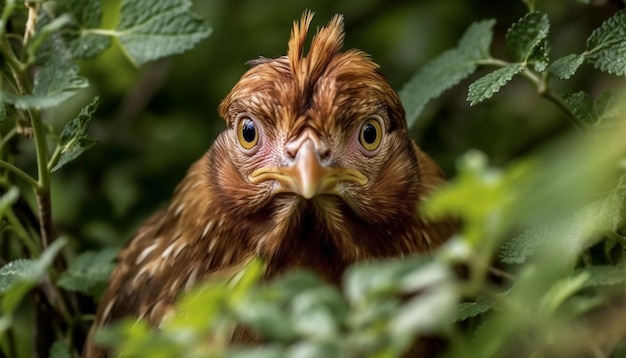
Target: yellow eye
247 133
371 134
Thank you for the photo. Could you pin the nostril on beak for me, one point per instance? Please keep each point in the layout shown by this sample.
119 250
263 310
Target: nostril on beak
323 152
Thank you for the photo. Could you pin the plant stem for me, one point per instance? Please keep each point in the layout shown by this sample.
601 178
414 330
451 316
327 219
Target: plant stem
42 190
541 83
20 173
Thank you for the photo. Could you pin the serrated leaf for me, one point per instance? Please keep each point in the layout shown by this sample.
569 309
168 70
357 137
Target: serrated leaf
73 139
582 106
60 350
565 67
54 83
447 69
609 104
87 270
486 86
606 47
149 30
523 36
86 16
538 58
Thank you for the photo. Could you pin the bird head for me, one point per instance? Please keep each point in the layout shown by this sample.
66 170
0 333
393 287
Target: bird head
321 126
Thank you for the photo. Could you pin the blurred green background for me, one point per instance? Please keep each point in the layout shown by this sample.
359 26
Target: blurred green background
153 122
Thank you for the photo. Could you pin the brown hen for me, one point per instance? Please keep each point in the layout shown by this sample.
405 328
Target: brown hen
316 169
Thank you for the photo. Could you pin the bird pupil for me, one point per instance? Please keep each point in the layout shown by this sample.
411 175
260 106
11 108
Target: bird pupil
248 131
369 133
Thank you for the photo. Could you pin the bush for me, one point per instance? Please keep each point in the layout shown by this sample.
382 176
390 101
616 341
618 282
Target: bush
541 247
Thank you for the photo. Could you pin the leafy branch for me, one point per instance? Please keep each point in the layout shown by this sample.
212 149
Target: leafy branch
41 73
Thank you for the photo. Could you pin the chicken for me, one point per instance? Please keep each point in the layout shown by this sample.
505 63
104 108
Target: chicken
316 169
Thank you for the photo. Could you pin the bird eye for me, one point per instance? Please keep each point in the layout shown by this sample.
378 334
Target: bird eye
247 133
371 134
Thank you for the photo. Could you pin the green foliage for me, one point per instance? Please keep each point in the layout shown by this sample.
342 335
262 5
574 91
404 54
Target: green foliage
606 47
40 44
526 34
541 250
150 30
73 141
485 87
447 69
87 270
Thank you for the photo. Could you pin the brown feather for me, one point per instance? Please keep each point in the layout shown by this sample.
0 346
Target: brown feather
218 220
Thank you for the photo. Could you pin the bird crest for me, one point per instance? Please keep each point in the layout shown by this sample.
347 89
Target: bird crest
307 67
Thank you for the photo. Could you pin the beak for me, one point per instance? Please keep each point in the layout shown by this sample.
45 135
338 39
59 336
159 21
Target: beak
307 176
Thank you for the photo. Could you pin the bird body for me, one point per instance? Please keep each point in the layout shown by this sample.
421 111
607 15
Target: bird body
316 169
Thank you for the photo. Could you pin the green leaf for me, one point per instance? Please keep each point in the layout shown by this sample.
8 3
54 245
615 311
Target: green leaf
87 270
447 69
73 139
20 276
466 310
60 350
149 30
8 199
572 235
15 272
606 47
605 275
582 106
54 83
563 289
608 105
86 16
476 40
565 67
538 58
523 36
486 86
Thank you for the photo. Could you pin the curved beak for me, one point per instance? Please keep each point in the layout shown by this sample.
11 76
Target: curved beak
306 175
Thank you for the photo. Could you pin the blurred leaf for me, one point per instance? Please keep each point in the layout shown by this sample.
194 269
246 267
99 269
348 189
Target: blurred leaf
487 85
60 350
56 82
73 140
312 350
466 310
571 235
88 269
86 16
149 30
565 67
430 309
524 35
606 47
44 29
365 281
447 69
604 275
563 289
8 199
20 276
